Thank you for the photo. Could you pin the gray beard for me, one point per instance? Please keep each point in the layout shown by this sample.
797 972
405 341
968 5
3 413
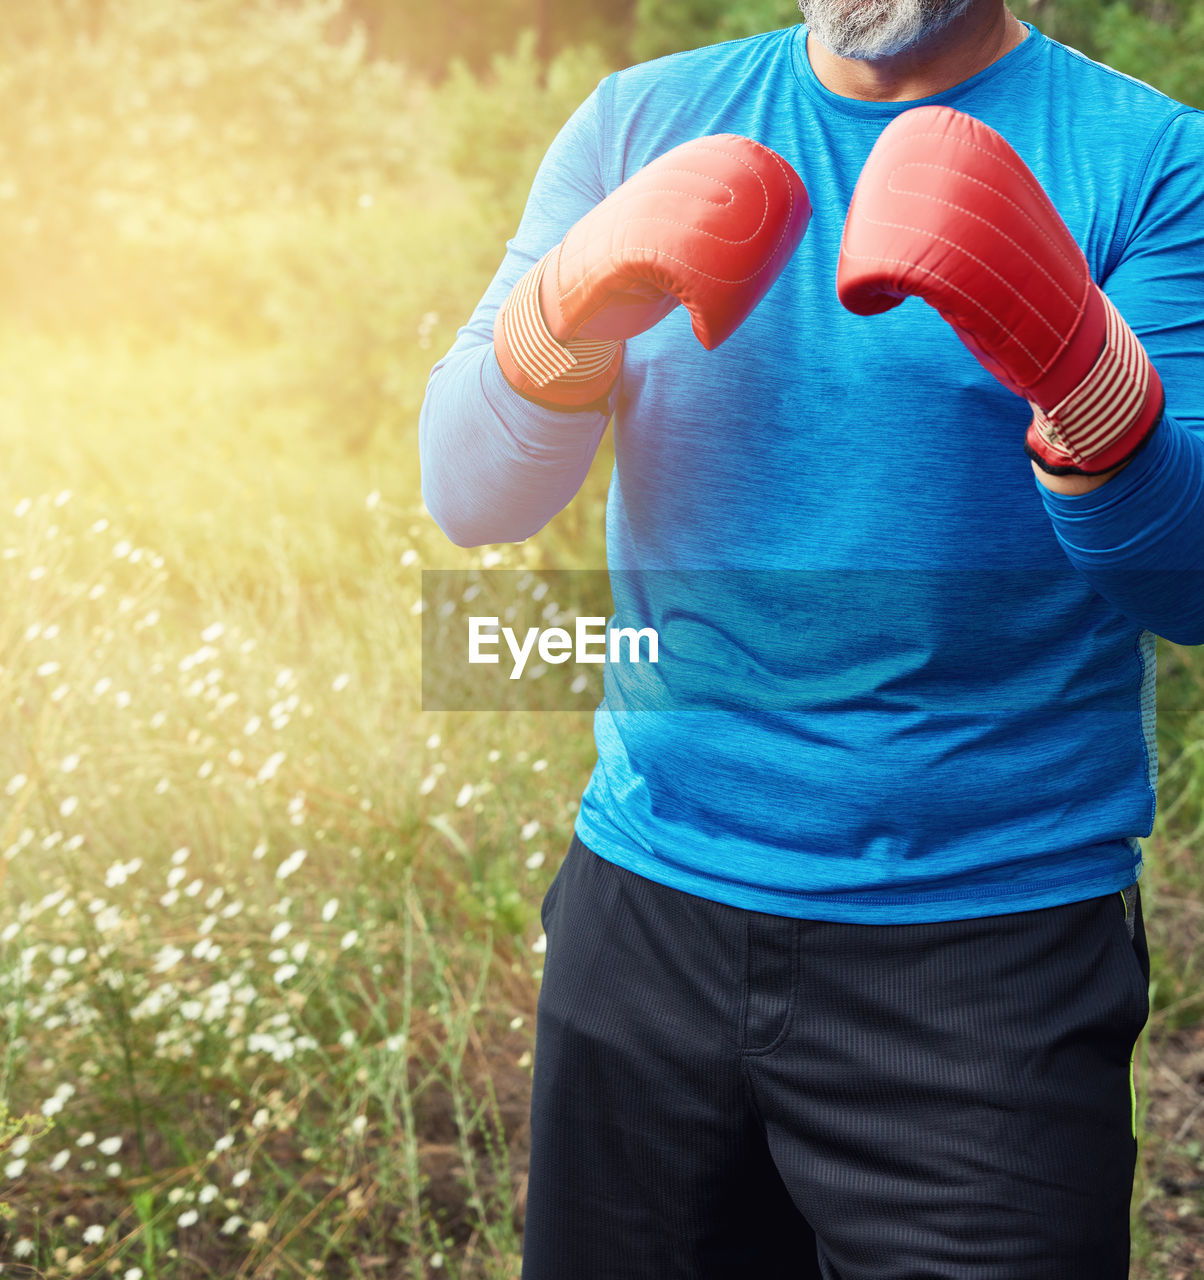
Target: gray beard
869 29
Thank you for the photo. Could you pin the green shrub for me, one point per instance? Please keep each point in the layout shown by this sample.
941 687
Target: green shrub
687 24
127 154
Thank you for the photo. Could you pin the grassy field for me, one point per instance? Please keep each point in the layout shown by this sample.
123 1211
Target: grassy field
269 951
269 933
268 927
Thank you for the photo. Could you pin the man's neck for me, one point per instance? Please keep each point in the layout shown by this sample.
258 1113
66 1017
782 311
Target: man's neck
982 35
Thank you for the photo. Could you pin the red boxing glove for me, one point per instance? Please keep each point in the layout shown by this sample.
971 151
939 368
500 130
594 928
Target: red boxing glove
709 224
945 209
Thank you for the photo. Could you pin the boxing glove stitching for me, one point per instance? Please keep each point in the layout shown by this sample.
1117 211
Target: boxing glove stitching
696 195
914 266
1024 174
1056 330
660 255
978 217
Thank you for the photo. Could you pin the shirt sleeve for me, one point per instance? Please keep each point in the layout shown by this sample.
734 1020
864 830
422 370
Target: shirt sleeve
1139 538
495 467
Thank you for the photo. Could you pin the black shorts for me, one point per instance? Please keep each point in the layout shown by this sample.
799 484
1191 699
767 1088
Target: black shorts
721 1094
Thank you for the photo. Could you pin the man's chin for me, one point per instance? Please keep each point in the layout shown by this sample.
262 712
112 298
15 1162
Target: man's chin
867 52
887 31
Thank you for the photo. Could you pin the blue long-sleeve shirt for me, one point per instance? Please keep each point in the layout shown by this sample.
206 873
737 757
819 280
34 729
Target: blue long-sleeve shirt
899 679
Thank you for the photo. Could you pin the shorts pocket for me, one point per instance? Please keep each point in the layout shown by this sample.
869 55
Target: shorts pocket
549 898
1129 898
1128 912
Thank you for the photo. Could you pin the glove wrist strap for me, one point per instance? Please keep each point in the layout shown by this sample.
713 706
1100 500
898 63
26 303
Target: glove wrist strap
1104 420
570 374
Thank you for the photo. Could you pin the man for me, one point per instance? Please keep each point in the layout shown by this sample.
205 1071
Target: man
846 962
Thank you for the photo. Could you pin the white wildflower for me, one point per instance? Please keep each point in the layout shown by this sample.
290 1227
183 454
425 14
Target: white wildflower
290 864
116 875
270 767
167 958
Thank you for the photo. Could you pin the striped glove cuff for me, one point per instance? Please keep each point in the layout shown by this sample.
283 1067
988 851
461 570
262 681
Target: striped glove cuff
1108 416
569 375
